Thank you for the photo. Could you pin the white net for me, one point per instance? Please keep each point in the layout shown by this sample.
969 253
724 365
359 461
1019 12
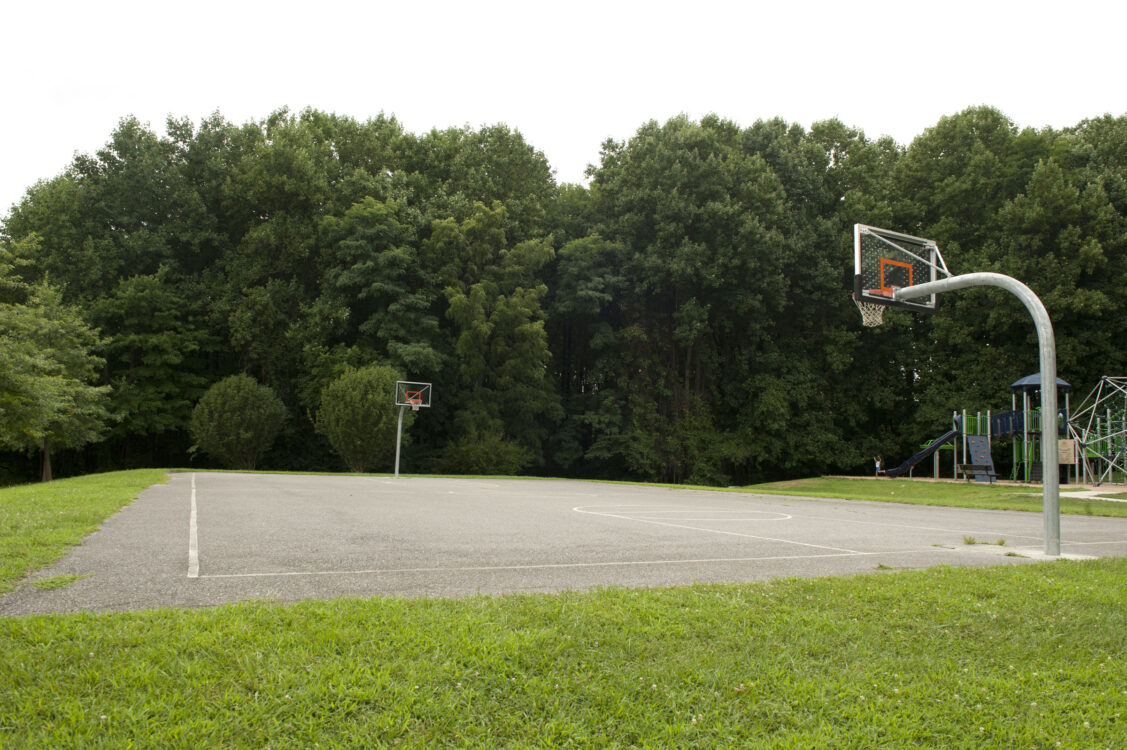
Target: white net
872 314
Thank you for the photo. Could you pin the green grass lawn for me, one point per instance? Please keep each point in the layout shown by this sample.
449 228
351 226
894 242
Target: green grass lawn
40 522
952 494
1023 656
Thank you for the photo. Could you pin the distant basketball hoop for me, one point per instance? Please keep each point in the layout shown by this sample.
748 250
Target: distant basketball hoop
414 395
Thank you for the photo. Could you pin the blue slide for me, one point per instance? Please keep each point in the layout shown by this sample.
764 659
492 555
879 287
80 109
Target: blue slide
935 445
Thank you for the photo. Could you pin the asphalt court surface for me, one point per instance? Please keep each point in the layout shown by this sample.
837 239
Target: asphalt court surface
211 538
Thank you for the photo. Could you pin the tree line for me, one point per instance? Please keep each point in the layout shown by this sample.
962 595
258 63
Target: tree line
684 318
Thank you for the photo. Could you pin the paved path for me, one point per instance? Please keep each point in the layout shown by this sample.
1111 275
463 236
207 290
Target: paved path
207 538
1101 493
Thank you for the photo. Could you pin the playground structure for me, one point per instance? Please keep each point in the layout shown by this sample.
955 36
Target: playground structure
1092 444
1099 428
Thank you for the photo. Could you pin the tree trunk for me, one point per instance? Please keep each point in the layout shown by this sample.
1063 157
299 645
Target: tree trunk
46 477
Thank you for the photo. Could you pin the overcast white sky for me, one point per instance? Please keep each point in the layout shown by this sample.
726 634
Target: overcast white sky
568 75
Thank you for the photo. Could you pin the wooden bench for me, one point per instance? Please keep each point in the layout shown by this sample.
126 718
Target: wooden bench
970 471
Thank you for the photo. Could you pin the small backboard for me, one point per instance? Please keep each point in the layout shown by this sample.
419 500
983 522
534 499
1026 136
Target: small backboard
885 261
415 395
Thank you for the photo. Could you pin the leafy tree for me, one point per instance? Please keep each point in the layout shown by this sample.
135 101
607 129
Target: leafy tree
236 421
585 315
459 167
707 234
500 347
375 265
155 358
359 417
47 366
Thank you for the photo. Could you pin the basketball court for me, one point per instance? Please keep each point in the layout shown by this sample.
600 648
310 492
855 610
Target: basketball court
211 538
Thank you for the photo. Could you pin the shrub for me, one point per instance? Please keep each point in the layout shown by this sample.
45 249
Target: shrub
485 454
359 417
236 421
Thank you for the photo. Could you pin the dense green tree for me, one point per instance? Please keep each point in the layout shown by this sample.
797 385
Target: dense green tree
459 167
359 417
697 382
498 379
47 368
236 421
374 263
155 359
585 316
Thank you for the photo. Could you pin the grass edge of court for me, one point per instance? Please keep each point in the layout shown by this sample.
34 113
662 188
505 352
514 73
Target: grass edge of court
39 526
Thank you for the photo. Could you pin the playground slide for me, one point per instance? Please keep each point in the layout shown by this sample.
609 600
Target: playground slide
903 468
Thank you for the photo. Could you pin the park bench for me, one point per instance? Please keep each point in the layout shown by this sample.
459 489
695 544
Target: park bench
970 471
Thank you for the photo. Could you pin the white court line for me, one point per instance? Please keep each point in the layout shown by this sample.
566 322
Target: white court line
922 528
581 509
548 566
719 515
193 538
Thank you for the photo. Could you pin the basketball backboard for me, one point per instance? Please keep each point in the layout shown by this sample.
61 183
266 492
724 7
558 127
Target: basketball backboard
415 395
885 261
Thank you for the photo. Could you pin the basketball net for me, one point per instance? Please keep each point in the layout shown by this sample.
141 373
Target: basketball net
872 314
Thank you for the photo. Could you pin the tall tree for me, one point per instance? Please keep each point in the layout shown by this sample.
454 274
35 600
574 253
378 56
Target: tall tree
374 263
500 355
47 367
156 356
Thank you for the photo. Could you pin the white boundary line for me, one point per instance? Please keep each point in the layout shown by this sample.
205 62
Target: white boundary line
193 538
548 566
582 509
913 527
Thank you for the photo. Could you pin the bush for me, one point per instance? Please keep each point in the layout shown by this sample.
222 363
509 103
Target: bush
485 454
359 417
236 421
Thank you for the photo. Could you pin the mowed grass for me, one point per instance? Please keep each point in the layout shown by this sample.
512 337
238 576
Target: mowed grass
40 522
952 494
1012 656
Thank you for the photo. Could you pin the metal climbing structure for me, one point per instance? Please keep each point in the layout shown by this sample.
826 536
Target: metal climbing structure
1099 427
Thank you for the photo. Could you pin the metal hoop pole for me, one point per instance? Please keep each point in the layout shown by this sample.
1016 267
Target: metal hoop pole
1050 469
399 439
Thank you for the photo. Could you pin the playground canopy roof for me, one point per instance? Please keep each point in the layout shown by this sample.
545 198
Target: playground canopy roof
1031 383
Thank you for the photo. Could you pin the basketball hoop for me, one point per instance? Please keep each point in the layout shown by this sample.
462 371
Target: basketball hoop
415 395
872 313
886 261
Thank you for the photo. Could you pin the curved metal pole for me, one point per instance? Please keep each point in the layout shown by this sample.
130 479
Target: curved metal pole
1050 469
